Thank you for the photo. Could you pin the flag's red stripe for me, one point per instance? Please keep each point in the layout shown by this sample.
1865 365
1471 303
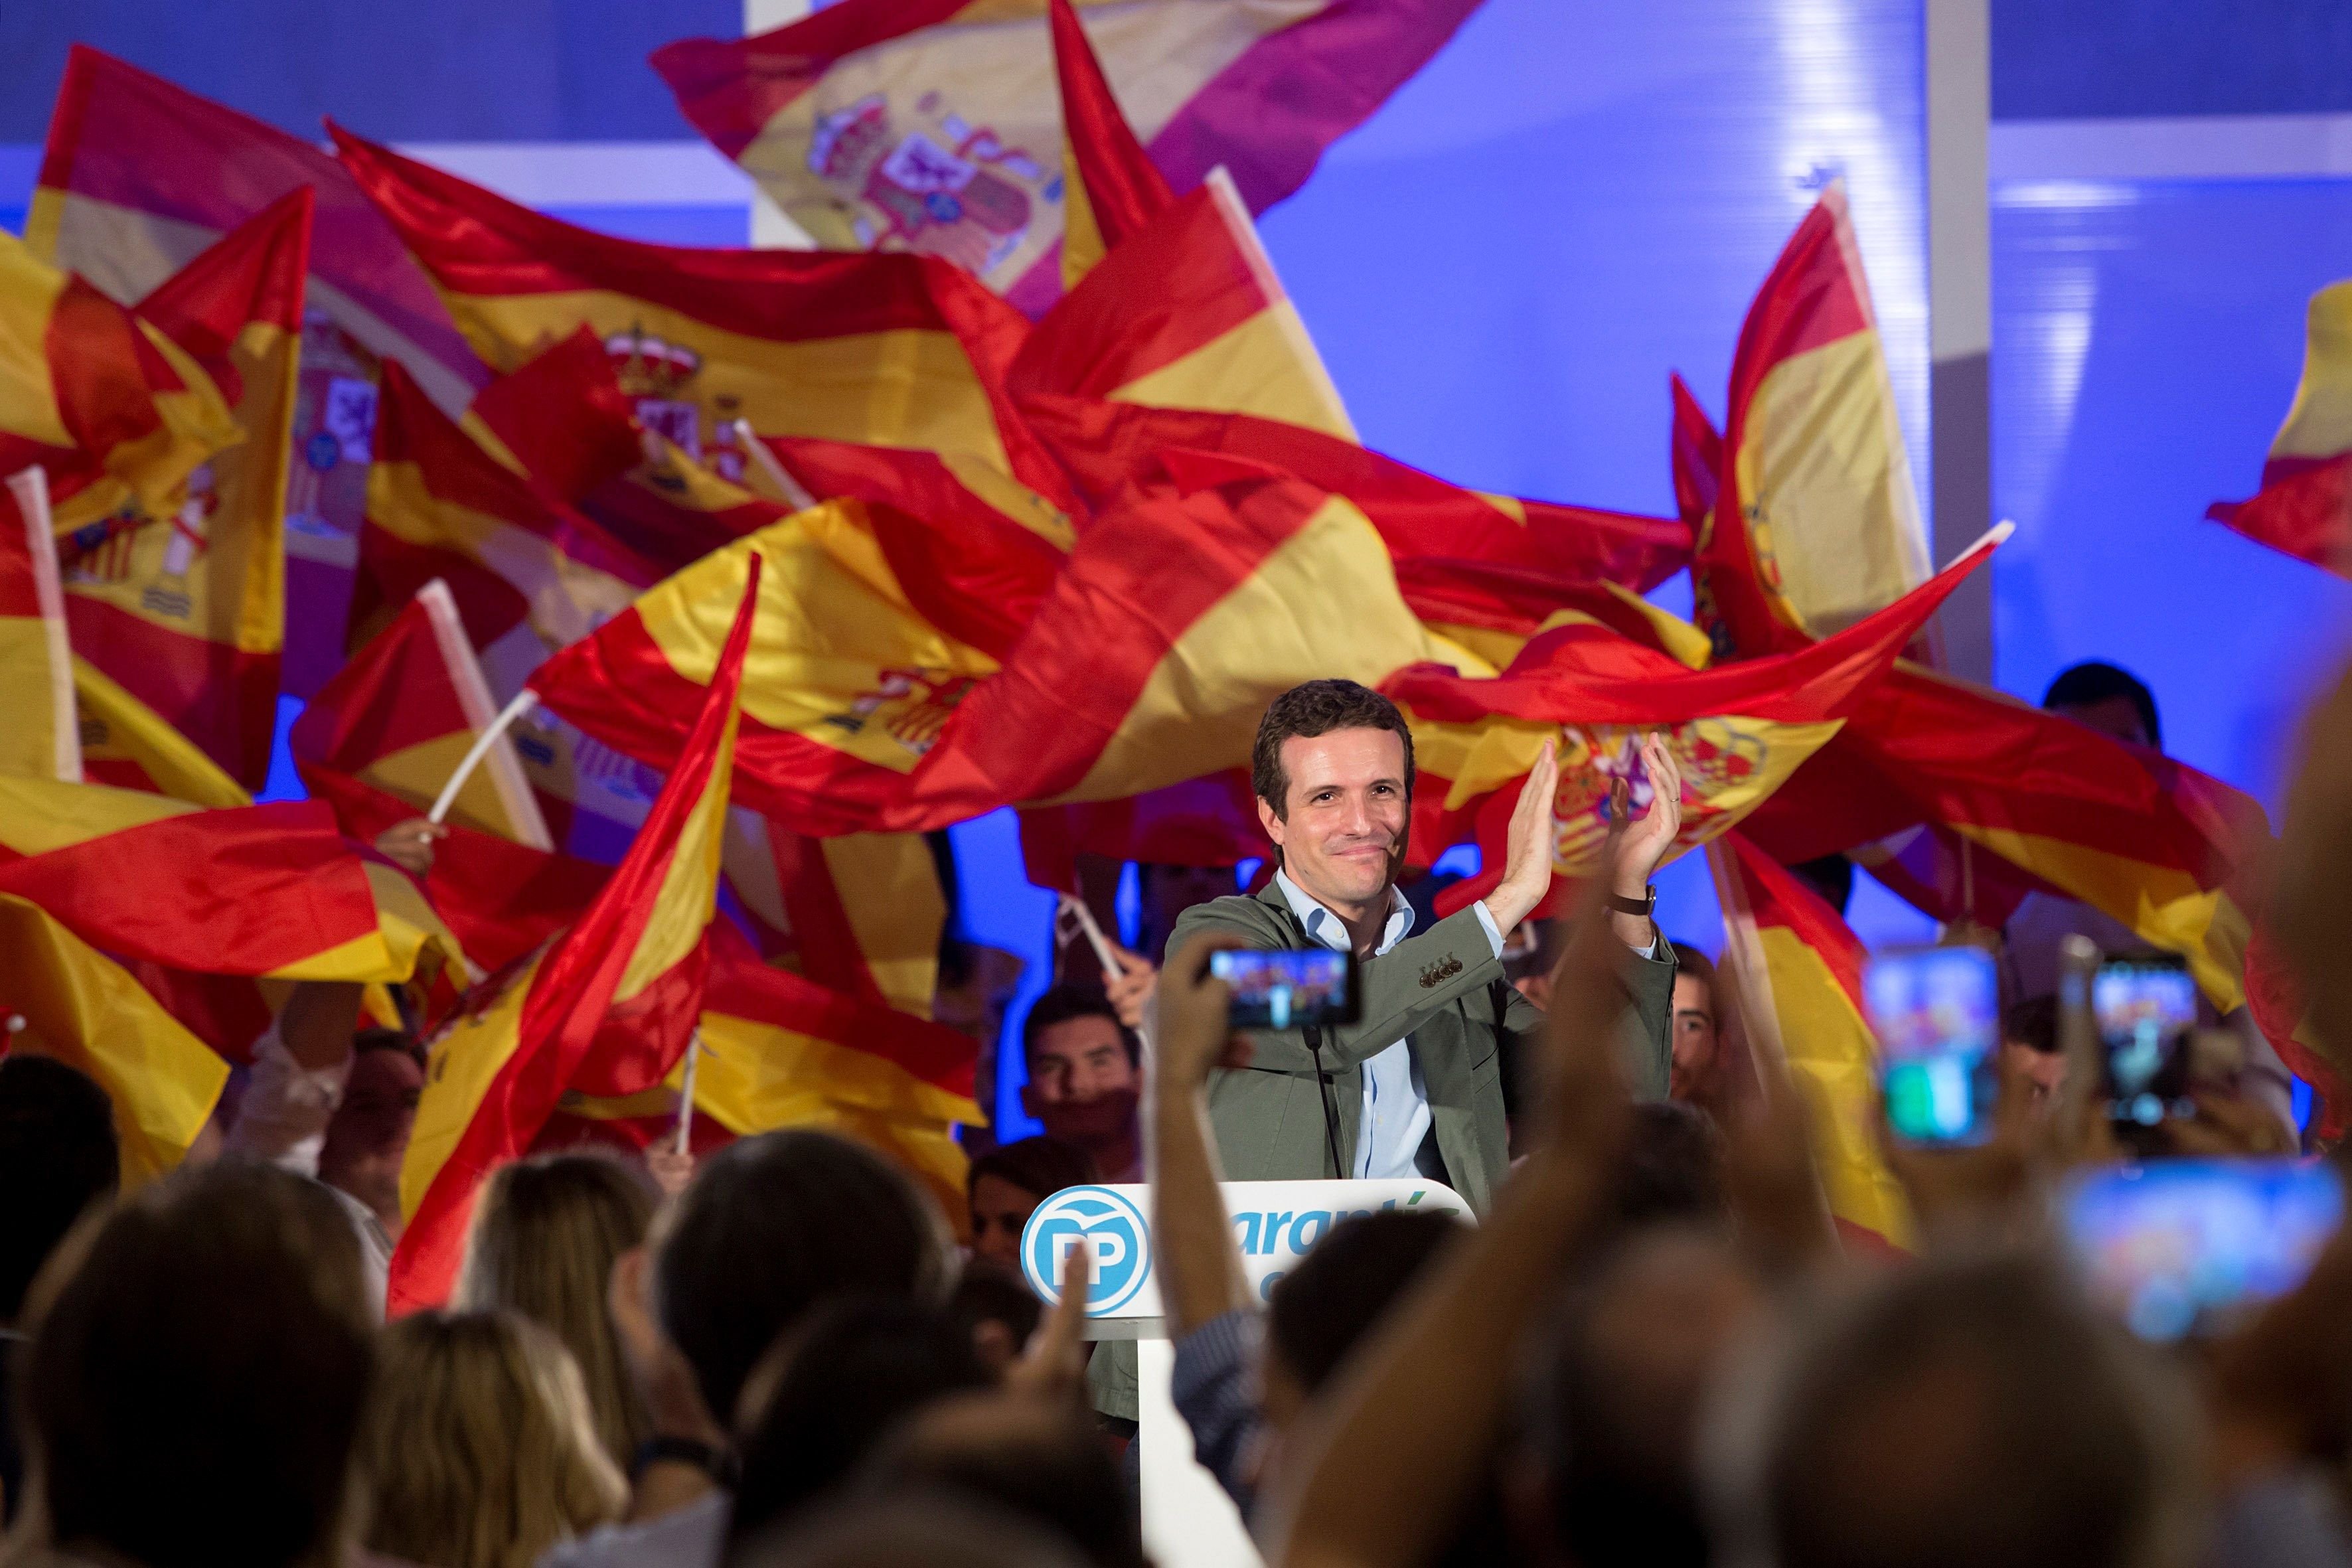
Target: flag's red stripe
393 694
2304 509
741 987
239 891
1122 187
1776 898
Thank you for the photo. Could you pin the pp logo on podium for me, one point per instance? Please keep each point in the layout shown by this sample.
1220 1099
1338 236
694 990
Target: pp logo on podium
1108 1225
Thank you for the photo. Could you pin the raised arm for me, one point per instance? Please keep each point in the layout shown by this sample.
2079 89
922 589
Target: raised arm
1191 1240
1392 1452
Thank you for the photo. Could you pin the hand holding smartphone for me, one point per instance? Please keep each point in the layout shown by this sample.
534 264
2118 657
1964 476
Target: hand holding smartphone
2146 1013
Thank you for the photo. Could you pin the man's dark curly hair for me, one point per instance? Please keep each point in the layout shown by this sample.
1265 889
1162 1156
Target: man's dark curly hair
1318 708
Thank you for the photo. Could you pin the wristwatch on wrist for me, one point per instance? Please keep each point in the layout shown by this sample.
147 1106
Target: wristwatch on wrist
1639 908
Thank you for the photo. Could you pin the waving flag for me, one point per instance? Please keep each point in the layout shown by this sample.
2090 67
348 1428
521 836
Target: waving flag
139 175
943 488
105 403
893 351
635 961
2151 842
1108 446
862 911
86 1010
935 127
1146 658
42 740
1186 313
1811 982
184 607
272 892
127 745
1111 188
1815 523
2305 506
1738 731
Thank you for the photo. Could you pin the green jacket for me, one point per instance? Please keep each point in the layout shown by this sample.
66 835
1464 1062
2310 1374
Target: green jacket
1444 987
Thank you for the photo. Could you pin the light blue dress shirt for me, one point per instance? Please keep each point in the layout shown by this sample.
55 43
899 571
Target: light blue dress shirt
1396 1101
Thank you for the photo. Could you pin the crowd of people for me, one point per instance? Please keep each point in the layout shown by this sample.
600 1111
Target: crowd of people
1654 1346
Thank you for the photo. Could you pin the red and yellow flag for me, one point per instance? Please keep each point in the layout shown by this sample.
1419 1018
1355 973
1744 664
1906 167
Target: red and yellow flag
2305 506
183 606
1147 659
84 1009
1186 313
859 913
129 745
2148 840
891 351
607 1010
104 402
1106 447
1810 983
1738 731
42 740
934 126
272 892
1815 522
1111 188
139 175
402 715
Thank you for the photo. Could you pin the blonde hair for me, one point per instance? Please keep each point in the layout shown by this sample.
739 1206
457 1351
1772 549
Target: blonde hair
544 1238
477 1446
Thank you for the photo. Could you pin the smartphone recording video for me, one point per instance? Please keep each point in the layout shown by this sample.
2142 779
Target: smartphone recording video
1288 990
2147 1011
2178 1247
1936 1013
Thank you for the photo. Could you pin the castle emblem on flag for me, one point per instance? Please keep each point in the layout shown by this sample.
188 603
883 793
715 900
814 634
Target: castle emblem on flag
938 185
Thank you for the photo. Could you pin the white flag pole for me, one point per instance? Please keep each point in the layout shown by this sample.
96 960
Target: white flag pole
525 700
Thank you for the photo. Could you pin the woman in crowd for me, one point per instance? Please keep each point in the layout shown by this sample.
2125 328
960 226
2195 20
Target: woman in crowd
478 1449
545 1235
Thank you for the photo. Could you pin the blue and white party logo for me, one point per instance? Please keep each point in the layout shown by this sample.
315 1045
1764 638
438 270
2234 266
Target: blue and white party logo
1108 1225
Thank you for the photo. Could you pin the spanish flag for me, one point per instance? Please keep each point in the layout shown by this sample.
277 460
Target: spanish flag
84 1009
42 739
560 419
2304 505
138 175
1815 523
607 1009
1186 313
1111 188
402 715
1147 658
1799 964
2153 843
108 406
893 351
129 745
934 126
1108 446
187 610
272 892
1738 732
859 913
946 489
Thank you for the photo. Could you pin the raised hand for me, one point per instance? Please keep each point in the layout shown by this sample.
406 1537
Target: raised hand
1650 836
1528 855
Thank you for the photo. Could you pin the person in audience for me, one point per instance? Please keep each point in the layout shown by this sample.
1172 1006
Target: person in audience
770 1228
2029 1043
479 1446
1614 1418
1005 1186
827 1393
197 1376
58 1159
1964 1410
1240 1380
996 1312
1166 891
1672 1171
1085 1079
1696 1075
1038 1458
331 1100
904 1530
1832 877
544 1236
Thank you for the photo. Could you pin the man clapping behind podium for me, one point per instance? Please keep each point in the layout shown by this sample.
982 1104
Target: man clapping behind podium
1416 1086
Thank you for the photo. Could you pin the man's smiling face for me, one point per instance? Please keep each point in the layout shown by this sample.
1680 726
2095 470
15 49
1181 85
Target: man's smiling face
1343 833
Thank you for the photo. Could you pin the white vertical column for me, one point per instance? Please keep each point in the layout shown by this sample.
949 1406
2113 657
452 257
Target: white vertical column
771 228
1960 314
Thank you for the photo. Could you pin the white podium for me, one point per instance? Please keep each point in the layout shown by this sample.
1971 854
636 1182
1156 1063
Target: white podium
1187 1521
